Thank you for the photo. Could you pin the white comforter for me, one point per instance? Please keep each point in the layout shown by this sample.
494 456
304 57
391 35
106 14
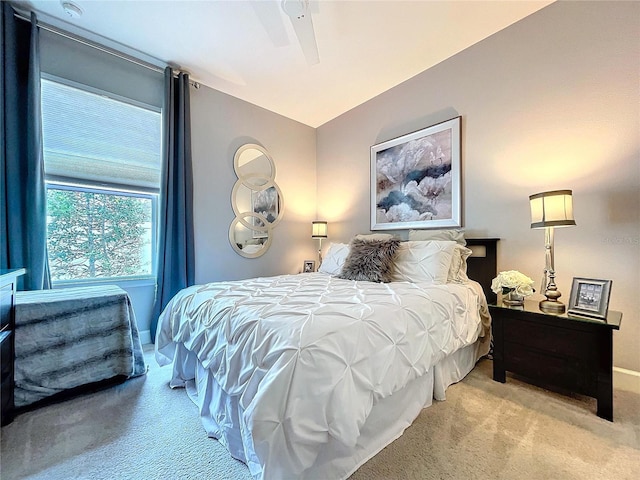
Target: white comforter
309 355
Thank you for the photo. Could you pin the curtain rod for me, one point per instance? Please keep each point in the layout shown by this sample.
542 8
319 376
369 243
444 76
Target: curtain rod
97 46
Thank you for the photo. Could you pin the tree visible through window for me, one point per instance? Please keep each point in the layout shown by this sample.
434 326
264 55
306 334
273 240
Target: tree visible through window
93 234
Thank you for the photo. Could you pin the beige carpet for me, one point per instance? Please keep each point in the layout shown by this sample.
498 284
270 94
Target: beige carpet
485 430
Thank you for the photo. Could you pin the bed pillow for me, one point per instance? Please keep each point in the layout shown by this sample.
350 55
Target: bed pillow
454 235
458 269
334 259
374 236
421 261
370 261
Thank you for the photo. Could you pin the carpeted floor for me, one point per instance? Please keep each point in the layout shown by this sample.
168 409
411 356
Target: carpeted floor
485 430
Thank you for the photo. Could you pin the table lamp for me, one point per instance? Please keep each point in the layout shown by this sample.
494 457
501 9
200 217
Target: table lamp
319 231
550 210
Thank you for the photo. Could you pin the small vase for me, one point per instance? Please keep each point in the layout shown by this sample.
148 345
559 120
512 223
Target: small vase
513 299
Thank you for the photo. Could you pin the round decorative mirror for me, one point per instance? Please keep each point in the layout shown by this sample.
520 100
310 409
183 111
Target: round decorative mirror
256 200
253 163
249 235
265 199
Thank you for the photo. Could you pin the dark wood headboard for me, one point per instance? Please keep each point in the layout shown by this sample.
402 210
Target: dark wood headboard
482 265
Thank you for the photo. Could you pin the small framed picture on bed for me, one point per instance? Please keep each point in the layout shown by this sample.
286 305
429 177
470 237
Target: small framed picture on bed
416 179
590 298
309 266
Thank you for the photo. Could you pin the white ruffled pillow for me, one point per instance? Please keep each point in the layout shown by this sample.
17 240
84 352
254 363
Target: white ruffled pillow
452 234
334 259
372 237
424 261
458 269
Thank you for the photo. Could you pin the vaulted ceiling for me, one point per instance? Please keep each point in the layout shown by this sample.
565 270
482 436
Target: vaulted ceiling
249 49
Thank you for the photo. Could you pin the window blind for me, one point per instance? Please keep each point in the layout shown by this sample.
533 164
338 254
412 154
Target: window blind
98 140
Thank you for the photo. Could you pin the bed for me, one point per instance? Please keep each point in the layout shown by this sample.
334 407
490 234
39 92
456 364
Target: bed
310 375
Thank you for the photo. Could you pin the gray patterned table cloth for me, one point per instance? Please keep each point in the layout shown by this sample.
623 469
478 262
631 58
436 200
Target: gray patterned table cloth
71 337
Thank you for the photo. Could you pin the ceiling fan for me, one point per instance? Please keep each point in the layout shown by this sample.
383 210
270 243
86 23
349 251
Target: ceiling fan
299 13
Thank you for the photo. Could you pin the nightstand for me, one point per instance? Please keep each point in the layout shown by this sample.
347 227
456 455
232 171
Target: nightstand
8 279
573 353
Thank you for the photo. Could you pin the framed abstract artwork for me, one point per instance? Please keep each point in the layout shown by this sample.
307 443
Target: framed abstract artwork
416 179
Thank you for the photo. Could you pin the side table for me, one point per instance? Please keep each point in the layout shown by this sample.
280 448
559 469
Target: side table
574 353
8 279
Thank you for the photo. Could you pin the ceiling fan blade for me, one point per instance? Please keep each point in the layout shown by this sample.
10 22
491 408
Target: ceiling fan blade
300 14
271 19
307 38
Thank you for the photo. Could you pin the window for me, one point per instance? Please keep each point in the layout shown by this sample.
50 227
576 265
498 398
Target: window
102 170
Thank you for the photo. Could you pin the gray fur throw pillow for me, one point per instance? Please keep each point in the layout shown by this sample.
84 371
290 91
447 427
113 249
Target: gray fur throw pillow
370 261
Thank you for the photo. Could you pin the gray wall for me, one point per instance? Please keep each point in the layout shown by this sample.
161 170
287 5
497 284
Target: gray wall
220 124
551 102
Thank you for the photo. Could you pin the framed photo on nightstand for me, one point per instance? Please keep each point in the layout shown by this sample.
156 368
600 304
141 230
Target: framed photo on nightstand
590 298
309 266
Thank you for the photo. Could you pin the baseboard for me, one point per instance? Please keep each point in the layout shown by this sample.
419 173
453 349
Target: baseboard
145 336
628 380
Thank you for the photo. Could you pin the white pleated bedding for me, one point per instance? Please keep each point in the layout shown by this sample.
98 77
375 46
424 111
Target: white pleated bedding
308 376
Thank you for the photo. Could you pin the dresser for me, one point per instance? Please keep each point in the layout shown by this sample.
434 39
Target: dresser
573 353
8 280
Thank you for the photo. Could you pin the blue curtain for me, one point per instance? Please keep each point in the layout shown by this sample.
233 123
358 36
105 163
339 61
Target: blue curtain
23 212
175 261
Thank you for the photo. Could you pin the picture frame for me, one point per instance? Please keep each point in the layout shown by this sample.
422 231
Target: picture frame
416 179
309 266
589 298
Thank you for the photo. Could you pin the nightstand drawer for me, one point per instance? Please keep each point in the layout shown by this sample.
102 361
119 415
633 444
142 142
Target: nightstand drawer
6 303
552 339
6 355
8 279
556 369
6 399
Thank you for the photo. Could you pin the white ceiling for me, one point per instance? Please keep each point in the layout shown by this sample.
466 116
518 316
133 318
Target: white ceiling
365 47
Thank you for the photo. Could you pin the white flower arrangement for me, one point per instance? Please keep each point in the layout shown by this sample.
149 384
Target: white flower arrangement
512 280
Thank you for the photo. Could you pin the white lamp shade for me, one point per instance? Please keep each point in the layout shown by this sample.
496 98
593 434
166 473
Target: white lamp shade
552 209
319 229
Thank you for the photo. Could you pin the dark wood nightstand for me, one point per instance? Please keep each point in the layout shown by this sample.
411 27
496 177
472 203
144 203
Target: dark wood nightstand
8 280
565 351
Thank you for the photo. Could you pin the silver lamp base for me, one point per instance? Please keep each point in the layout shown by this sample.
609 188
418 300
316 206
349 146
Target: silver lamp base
552 306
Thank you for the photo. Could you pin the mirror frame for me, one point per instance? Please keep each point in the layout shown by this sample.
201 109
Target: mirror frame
268 181
232 239
255 146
